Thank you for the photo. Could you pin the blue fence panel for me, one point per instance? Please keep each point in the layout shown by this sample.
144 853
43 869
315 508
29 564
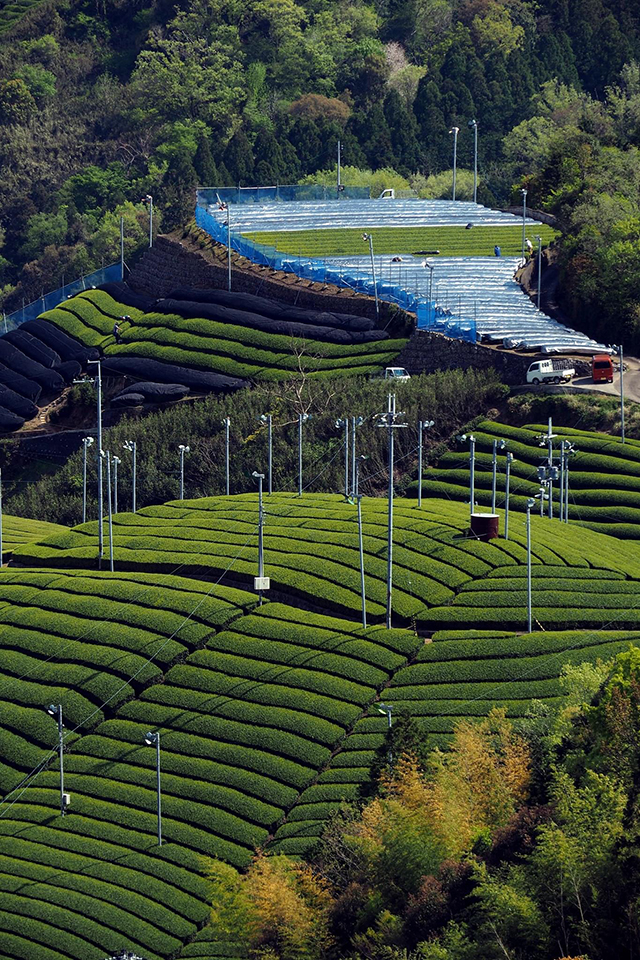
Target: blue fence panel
51 300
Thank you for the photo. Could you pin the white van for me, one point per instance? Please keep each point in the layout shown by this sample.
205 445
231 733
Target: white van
543 371
396 373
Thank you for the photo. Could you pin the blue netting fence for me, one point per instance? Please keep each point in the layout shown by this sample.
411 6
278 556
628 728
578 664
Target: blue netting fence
283 194
429 315
50 300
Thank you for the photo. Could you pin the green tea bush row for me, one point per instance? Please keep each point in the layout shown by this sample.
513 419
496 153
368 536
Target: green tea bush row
289 655
550 618
112 906
105 304
160 902
278 742
237 705
287 773
36 933
72 912
330 793
104 658
515 689
606 599
71 324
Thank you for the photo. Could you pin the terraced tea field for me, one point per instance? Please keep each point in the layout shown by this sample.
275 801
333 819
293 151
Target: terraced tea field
311 555
268 715
224 348
604 475
19 530
448 241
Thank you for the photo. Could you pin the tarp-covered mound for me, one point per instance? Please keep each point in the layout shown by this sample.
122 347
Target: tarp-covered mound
271 308
124 294
155 371
58 340
256 321
128 400
156 392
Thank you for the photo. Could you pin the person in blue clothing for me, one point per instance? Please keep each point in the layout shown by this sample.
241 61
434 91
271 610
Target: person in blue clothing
497 251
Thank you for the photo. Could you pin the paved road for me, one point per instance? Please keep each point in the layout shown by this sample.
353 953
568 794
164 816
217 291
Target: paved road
631 381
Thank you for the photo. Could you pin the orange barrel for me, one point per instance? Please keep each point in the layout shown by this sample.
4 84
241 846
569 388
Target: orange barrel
485 526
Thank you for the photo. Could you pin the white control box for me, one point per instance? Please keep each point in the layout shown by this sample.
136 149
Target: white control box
261 583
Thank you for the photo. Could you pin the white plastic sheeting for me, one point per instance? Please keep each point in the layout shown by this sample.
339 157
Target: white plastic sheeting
483 289
362 215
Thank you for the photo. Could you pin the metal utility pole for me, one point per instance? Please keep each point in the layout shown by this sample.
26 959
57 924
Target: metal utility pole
355 423
338 188
568 450
422 425
229 247
86 443
369 237
227 424
116 461
56 712
1 545
474 124
149 201
268 419
107 455
344 422
539 239
153 740
388 420
183 449
260 477
361 543
530 503
302 418
507 473
98 380
497 445
386 708
121 248
472 467
524 219
132 446
455 131
621 394
562 468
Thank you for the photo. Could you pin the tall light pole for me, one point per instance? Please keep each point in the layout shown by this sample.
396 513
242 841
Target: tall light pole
344 422
153 740
523 191
302 418
530 503
149 201
361 543
388 421
1 545
355 423
98 381
86 443
107 455
621 352
497 445
422 426
115 461
122 248
387 708
132 447
227 424
507 480
183 449
338 185
539 239
368 237
268 419
474 124
260 477
455 131
472 467
55 711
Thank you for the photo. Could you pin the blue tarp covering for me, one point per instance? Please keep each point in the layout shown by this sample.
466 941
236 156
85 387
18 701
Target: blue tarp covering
50 300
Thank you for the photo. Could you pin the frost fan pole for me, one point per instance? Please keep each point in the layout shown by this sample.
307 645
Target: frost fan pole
388 420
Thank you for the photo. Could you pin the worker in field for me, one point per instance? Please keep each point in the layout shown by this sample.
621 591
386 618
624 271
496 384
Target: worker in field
497 251
116 332
529 246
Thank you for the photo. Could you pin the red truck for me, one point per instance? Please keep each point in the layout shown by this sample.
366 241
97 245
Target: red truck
601 368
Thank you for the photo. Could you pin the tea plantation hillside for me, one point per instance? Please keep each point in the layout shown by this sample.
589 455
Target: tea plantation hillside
19 530
441 576
268 715
214 346
604 474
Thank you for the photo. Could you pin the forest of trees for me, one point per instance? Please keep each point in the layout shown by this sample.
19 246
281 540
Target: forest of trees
102 103
520 842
